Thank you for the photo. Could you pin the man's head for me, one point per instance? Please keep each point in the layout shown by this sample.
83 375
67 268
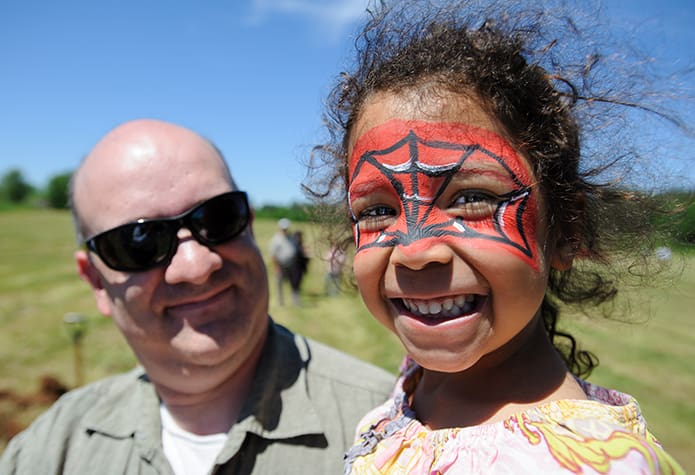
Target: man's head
200 314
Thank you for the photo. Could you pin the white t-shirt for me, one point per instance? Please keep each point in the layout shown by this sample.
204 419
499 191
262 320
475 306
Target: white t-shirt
188 453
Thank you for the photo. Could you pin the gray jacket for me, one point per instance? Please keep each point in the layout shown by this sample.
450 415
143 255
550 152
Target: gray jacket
300 417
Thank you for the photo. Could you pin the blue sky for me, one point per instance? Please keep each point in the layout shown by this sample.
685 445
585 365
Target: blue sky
249 74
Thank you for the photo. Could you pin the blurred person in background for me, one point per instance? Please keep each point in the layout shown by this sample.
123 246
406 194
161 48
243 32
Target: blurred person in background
283 253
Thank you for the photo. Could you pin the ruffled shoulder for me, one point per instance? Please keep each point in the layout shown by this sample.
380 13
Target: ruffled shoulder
604 434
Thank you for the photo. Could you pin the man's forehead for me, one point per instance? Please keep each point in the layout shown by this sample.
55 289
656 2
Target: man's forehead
146 186
170 153
108 210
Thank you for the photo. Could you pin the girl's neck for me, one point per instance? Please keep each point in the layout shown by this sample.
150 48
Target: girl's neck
524 373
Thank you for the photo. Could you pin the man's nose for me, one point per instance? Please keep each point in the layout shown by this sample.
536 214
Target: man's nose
193 262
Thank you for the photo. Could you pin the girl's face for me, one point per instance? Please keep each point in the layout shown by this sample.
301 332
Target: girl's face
452 252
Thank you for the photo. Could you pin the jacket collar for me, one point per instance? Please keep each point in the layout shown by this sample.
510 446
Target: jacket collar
278 406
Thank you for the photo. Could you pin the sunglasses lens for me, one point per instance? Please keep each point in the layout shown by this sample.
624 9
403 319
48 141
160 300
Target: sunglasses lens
135 246
142 245
221 218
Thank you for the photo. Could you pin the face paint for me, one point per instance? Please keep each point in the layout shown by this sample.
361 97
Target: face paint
416 166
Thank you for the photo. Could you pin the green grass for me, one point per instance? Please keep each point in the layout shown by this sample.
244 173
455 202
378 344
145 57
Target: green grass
652 359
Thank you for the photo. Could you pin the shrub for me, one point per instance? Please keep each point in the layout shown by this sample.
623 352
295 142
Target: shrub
57 191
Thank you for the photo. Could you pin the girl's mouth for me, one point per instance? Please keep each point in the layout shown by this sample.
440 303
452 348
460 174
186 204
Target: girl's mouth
446 307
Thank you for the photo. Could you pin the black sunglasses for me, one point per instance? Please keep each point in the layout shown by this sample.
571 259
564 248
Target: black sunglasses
147 243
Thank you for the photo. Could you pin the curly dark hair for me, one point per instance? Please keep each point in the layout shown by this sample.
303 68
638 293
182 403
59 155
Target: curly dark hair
538 93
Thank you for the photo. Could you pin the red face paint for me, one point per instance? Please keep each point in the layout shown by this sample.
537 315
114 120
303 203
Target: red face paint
417 165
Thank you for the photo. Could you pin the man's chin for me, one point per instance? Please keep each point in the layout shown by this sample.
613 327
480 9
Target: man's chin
196 347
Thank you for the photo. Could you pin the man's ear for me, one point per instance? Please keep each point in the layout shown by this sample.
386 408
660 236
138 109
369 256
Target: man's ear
252 217
89 273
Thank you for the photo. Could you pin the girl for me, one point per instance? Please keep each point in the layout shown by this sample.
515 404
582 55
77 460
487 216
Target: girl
460 158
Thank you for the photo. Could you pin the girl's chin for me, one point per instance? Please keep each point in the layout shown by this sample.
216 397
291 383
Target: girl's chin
441 360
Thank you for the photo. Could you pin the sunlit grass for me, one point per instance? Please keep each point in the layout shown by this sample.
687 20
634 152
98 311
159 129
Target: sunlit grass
650 359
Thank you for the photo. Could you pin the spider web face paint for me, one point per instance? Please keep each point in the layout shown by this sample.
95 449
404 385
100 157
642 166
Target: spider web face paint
416 161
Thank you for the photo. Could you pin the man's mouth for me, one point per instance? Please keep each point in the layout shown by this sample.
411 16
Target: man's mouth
198 302
447 307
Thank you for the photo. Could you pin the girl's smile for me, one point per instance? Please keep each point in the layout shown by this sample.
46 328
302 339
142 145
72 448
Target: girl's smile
442 308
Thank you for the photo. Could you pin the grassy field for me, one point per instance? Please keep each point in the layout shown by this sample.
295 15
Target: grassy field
649 358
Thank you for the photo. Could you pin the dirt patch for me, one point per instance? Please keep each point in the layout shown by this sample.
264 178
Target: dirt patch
14 406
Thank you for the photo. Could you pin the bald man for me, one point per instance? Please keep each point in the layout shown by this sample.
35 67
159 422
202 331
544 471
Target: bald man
170 257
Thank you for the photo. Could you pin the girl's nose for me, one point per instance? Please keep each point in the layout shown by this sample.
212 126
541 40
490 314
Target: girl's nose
193 262
419 254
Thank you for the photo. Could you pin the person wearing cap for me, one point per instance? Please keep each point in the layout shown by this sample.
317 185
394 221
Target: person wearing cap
170 257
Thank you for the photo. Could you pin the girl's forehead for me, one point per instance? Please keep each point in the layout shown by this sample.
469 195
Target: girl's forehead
423 103
434 148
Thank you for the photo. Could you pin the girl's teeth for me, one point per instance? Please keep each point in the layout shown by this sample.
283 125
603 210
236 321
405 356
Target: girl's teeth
448 307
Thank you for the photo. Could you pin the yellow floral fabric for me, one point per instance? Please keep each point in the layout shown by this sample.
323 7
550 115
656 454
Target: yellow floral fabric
605 434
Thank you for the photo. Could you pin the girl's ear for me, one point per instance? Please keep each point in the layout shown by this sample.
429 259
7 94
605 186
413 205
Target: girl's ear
568 237
90 274
563 255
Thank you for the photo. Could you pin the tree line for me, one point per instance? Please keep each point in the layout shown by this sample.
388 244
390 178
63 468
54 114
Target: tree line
675 219
17 192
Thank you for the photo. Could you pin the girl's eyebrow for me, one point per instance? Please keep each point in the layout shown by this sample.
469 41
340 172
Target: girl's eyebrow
498 174
509 169
360 188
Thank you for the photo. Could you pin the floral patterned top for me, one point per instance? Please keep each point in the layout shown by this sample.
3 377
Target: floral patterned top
603 434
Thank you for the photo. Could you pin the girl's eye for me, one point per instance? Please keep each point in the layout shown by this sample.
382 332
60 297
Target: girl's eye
376 217
475 205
